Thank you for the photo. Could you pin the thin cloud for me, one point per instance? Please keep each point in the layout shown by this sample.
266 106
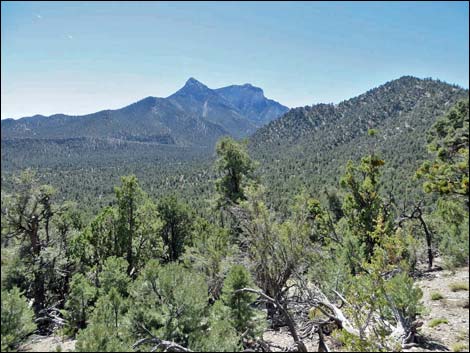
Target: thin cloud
69 37
38 16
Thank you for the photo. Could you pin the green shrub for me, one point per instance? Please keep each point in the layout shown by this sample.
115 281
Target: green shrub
77 307
17 319
99 338
437 322
177 225
209 254
221 336
170 301
451 222
405 295
242 315
114 275
436 296
106 331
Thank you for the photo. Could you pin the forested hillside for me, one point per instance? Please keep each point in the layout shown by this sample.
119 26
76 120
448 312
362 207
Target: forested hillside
214 266
309 146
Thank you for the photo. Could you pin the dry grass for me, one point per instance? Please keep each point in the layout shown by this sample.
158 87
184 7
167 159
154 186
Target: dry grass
458 286
459 347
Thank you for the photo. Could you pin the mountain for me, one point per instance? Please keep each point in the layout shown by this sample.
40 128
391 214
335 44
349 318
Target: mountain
201 101
308 147
193 116
252 103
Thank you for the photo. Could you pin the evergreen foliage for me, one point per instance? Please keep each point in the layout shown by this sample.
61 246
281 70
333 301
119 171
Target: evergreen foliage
176 229
235 167
210 254
448 140
221 335
242 315
169 302
17 319
106 331
448 176
114 276
78 306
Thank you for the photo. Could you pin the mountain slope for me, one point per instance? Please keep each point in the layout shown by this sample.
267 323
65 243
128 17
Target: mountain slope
309 146
208 105
195 115
252 103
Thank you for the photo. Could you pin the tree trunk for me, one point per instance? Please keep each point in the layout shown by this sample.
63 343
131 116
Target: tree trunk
131 234
38 282
428 241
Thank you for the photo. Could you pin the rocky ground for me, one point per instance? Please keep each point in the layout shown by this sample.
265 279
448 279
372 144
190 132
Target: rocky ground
48 344
453 307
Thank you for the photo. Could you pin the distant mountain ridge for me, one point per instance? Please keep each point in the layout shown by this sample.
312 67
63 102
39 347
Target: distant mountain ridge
194 115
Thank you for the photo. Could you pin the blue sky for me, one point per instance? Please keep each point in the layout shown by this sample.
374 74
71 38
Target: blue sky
80 57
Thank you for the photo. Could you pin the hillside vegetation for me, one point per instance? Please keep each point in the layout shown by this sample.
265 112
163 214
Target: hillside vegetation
216 267
309 147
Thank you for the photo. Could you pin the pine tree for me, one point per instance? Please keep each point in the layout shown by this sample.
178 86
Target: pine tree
169 301
448 177
109 234
78 305
128 196
210 254
106 331
28 215
99 240
176 228
242 314
17 319
220 336
235 168
449 141
114 276
363 203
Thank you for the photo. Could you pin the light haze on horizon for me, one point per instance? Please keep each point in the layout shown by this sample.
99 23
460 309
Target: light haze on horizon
81 57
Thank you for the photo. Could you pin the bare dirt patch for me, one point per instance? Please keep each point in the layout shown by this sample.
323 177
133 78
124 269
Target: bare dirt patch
38 343
453 307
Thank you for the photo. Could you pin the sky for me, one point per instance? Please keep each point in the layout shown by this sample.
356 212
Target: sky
82 57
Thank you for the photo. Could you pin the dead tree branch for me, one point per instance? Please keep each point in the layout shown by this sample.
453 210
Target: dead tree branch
417 214
165 346
283 309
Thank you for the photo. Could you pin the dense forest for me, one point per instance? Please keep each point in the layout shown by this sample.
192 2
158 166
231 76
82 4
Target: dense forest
210 262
